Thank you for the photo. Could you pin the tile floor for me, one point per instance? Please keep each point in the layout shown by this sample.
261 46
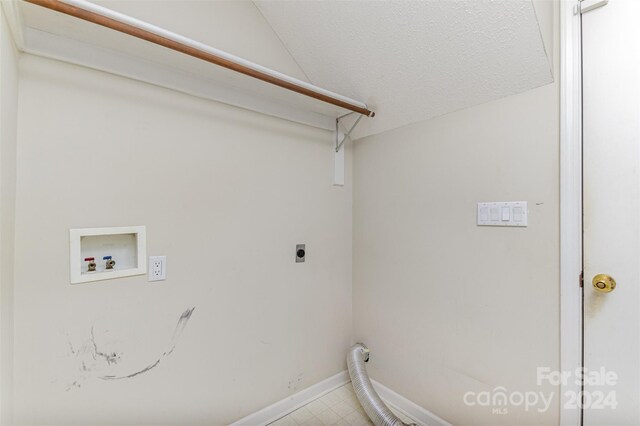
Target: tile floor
339 407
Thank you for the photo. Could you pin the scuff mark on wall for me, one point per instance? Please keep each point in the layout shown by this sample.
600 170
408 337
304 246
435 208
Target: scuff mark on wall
128 376
110 358
99 355
94 354
294 383
182 323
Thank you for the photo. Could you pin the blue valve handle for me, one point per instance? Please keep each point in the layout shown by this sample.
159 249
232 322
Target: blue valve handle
106 258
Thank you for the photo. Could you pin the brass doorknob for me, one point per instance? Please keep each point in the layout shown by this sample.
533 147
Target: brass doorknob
603 283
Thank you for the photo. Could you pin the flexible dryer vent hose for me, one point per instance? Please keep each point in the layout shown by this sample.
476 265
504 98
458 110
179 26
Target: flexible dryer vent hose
377 411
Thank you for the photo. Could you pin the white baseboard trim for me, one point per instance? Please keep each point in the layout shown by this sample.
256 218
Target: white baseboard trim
411 409
285 406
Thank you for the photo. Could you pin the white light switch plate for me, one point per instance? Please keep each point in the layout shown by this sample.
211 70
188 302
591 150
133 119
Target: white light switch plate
157 268
503 213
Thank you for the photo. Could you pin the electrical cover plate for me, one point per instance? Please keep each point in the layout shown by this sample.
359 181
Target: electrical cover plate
157 268
503 213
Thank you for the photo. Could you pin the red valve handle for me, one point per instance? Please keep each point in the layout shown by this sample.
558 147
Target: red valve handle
88 259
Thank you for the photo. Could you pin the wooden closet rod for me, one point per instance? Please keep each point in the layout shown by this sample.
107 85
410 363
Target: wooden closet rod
133 27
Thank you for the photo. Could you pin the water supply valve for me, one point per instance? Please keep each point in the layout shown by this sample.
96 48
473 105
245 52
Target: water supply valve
91 265
110 263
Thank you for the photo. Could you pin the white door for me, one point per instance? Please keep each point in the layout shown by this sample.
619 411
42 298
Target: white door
611 167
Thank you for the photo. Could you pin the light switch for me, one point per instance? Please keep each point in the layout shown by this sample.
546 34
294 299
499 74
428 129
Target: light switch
517 214
484 213
502 213
506 213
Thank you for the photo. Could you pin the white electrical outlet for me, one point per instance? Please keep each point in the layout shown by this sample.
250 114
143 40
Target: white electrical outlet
157 268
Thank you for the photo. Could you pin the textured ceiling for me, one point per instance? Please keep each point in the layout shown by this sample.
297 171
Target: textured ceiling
413 60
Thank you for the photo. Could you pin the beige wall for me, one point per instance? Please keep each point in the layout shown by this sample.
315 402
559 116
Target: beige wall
233 26
445 306
225 194
545 11
8 137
